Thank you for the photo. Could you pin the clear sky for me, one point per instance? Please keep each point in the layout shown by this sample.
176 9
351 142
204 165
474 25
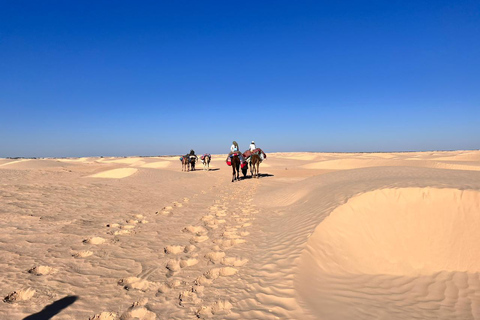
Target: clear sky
115 78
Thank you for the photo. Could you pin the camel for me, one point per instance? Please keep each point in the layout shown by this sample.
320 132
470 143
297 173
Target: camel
235 167
206 162
254 165
184 160
192 160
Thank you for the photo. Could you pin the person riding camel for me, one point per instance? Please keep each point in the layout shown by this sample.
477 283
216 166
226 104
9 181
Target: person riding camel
253 149
234 149
192 154
253 146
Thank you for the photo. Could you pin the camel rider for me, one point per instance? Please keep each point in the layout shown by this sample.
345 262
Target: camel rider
235 149
253 146
258 151
192 155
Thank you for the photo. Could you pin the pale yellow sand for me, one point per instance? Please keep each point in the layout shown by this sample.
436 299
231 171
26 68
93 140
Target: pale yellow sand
317 236
7 162
157 165
115 173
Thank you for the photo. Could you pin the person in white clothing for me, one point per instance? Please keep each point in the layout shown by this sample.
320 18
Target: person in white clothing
234 147
252 146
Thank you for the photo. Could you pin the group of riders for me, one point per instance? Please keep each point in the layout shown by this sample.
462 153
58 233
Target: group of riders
250 158
189 160
245 157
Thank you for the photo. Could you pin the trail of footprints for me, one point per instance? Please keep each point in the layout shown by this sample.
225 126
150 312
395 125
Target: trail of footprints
167 211
219 230
224 227
137 310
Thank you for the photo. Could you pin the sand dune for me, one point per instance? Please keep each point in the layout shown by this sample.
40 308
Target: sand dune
157 165
394 232
412 248
360 163
11 162
115 173
317 236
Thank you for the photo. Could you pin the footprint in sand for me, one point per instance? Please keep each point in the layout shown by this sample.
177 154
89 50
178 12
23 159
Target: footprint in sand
121 232
198 230
177 204
227 243
94 240
112 225
210 222
105 316
188 297
20 295
212 274
220 307
189 248
166 287
198 239
174 249
135 283
41 270
138 311
165 211
235 262
215 256
82 254
135 221
175 265
124 229
188 262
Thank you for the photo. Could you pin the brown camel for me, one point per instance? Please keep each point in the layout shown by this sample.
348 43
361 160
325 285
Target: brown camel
254 165
235 167
184 160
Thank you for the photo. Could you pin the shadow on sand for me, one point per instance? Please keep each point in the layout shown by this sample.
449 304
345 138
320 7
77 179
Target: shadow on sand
260 175
52 309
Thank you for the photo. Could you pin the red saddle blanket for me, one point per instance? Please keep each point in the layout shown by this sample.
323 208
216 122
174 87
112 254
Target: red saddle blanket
258 151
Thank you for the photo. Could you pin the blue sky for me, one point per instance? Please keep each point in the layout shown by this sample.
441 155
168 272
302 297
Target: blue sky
115 78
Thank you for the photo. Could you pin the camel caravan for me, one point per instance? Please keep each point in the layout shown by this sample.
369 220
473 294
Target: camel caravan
251 158
189 160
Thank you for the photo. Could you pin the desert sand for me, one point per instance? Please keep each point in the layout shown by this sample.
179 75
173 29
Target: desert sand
317 236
